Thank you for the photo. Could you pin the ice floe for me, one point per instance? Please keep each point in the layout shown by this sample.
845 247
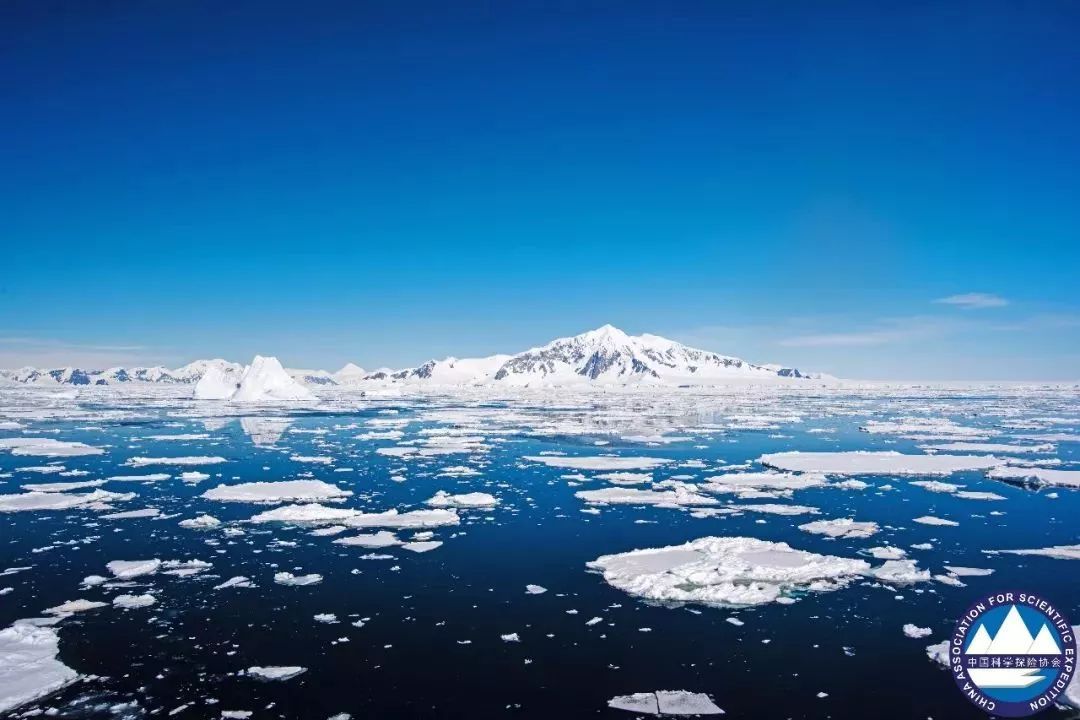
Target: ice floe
1058 552
275 672
666 702
1039 476
680 495
442 499
287 578
841 528
96 500
183 461
134 601
276 492
889 462
47 447
726 571
128 569
600 462
29 669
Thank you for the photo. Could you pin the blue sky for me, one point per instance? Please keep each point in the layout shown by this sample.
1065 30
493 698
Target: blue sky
385 182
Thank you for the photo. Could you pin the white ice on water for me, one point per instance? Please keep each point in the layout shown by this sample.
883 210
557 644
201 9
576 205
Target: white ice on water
29 669
278 491
862 462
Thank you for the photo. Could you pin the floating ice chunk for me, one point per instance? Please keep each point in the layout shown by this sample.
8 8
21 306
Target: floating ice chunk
422 546
734 621
625 478
978 495
305 514
680 495
275 672
600 462
936 486
914 631
383 538
62 486
931 520
535 590
404 520
47 447
861 462
238 581
184 460
992 448
215 384
924 428
236 714
133 514
29 669
287 578
313 459
193 476
202 522
266 381
134 601
326 618
886 552
128 569
152 477
1058 552
97 499
510 637
442 499
777 509
841 528
75 606
682 702
666 702
1039 476
968 571
899 572
769 480
275 492
725 571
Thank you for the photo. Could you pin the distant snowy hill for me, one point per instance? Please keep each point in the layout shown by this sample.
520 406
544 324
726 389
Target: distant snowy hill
605 356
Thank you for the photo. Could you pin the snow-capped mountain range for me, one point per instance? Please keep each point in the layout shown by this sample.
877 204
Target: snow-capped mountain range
605 356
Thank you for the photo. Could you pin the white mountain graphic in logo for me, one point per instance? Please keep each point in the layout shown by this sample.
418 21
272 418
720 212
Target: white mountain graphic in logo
1012 638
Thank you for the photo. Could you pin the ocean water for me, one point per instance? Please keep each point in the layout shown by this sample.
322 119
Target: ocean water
430 643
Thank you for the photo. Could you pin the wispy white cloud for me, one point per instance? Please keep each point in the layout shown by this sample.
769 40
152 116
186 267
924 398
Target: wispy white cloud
973 301
20 351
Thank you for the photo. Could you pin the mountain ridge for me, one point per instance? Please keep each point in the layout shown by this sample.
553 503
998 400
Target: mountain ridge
605 356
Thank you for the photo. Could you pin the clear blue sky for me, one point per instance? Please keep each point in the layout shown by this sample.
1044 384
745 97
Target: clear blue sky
384 182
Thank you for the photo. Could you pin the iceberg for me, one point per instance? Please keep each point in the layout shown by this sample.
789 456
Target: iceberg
267 382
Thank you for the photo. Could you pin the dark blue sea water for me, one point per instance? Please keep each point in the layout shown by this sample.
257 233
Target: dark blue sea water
430 644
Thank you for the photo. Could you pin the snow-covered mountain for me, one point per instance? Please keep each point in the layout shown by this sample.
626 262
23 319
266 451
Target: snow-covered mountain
605 356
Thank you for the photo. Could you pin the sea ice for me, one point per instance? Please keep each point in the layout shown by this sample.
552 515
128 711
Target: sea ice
442 499
287 578
47 447
275 492
841 528
725 571
601 462
134 601
914 631
931 520
680 495
383 538
29 669
1058 552
128 569
275 672
202 522
75 606
266 381
1041 476
666 702
185 461
861 462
